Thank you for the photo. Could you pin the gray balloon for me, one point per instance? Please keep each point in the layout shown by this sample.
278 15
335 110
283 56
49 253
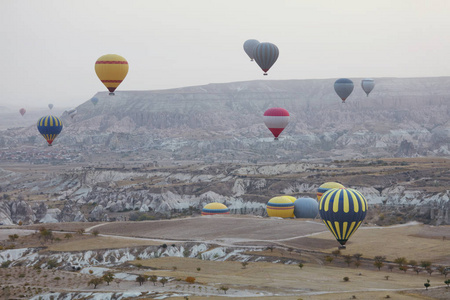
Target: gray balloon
306 208
249 47
343 87
367 85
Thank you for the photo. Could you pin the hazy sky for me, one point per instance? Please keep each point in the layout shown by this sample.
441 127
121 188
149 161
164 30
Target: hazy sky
49 47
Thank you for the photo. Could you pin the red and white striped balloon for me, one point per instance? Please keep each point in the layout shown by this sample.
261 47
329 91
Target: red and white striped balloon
276 119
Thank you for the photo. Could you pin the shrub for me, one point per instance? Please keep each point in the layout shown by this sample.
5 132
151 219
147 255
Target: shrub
190 279
346 279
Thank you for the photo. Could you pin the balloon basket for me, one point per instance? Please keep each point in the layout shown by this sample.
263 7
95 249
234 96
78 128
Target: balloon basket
111 94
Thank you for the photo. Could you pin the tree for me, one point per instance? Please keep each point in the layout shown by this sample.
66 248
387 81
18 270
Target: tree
412 263
390 267
329 259
425 264
300 265
224 289
357 263
244 264
348 259
190 279
68 236
45 234
336 252
81 231
13 237
270 248
387 277
95 232
417 270
380 258
378 264
108 277
52 263
141 279
403 268
357 256
154 279
400 261
447 282
427 284
429 270
95 282
346 279
441 270
163 281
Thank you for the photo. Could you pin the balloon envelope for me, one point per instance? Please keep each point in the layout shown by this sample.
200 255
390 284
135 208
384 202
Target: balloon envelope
49 127
342 211
22 111
276 119
367 85
306 208
111 69
94 100
343 87
249 47
50 106
327 186
215 208
265 55
280 207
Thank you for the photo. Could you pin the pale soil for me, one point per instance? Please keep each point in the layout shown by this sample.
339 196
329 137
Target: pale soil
99 242
289 280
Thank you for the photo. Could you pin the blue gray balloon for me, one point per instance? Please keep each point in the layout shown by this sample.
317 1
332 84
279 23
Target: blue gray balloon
367 85
306 208
266 54
249 47
343 87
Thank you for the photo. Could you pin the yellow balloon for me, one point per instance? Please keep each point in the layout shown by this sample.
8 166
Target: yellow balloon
111 69
327 186
292 198
280 207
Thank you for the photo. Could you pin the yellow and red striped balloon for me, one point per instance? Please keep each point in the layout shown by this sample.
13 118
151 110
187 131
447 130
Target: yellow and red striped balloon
111 69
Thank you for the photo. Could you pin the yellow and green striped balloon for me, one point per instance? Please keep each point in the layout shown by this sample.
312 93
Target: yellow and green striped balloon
342 210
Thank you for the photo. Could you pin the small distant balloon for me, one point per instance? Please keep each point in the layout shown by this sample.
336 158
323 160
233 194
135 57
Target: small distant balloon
367 85
249 47
94 100
111 69
22 111
49 127
276 119
265 55
343 87
50 106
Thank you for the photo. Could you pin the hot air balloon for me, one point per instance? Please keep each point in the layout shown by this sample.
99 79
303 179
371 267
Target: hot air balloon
50 106
249 47
22 111
306 208
292 198
342 211
49 127
72 112
111 69
265 55
367 85
215 208
280 207
276 119
327 186
94 100
343 87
